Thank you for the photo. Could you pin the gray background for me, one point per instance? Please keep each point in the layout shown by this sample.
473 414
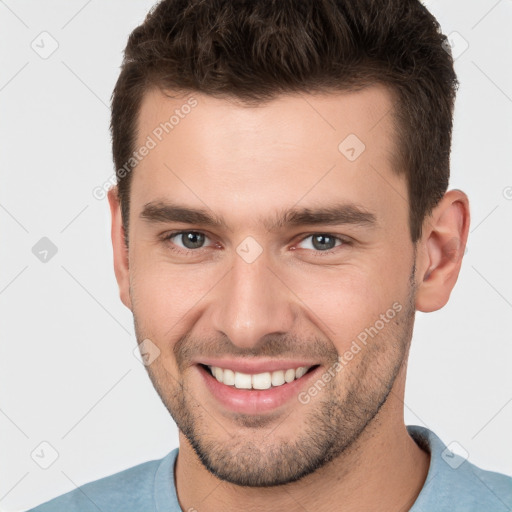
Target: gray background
68 376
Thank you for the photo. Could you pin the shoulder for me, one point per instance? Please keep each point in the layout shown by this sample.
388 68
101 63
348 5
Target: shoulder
131 489
473 489
453 483
489 487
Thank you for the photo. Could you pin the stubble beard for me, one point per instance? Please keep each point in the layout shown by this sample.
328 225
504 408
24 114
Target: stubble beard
254 451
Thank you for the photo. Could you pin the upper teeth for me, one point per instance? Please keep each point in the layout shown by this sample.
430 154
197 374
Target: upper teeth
258 381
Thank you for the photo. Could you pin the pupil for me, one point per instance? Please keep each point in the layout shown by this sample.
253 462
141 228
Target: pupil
323 242
192 240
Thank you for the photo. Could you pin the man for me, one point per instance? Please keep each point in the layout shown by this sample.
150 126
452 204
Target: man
281 212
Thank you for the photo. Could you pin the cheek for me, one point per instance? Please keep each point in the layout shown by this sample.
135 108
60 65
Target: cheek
165 297
348 300
342 301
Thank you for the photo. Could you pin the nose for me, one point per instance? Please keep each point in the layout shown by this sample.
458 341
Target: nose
252 301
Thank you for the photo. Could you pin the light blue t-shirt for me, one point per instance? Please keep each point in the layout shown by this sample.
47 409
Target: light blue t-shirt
453 484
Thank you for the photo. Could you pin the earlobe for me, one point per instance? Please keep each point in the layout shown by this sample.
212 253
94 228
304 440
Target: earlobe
120 251
441 249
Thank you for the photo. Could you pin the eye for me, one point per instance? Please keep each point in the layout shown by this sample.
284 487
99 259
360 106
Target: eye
322 242
191 241
187 240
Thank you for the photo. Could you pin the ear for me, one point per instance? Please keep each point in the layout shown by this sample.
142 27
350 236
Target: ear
121 266
440 250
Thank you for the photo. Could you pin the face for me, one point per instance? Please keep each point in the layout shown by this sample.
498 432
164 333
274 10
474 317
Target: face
271 273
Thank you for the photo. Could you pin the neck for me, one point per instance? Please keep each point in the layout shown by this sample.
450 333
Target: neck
384 469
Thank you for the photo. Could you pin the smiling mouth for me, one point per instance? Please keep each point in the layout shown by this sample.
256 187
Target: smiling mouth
259 381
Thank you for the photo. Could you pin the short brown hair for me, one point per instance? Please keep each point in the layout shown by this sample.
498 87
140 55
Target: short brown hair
254 50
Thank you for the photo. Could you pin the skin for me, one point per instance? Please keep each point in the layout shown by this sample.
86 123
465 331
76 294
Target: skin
348 445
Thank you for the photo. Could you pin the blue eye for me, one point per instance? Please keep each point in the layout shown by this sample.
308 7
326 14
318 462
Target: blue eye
189 240
323 242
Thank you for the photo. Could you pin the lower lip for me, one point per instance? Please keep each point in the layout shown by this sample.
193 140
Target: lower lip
255 401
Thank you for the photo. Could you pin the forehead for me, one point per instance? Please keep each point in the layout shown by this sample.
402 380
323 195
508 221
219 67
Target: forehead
307 117
309 148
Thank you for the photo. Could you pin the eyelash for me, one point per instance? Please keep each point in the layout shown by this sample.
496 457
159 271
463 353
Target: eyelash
167 238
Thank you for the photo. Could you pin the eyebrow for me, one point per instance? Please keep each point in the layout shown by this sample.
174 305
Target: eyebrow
338 214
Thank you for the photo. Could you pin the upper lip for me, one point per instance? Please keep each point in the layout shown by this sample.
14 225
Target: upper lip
256 366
